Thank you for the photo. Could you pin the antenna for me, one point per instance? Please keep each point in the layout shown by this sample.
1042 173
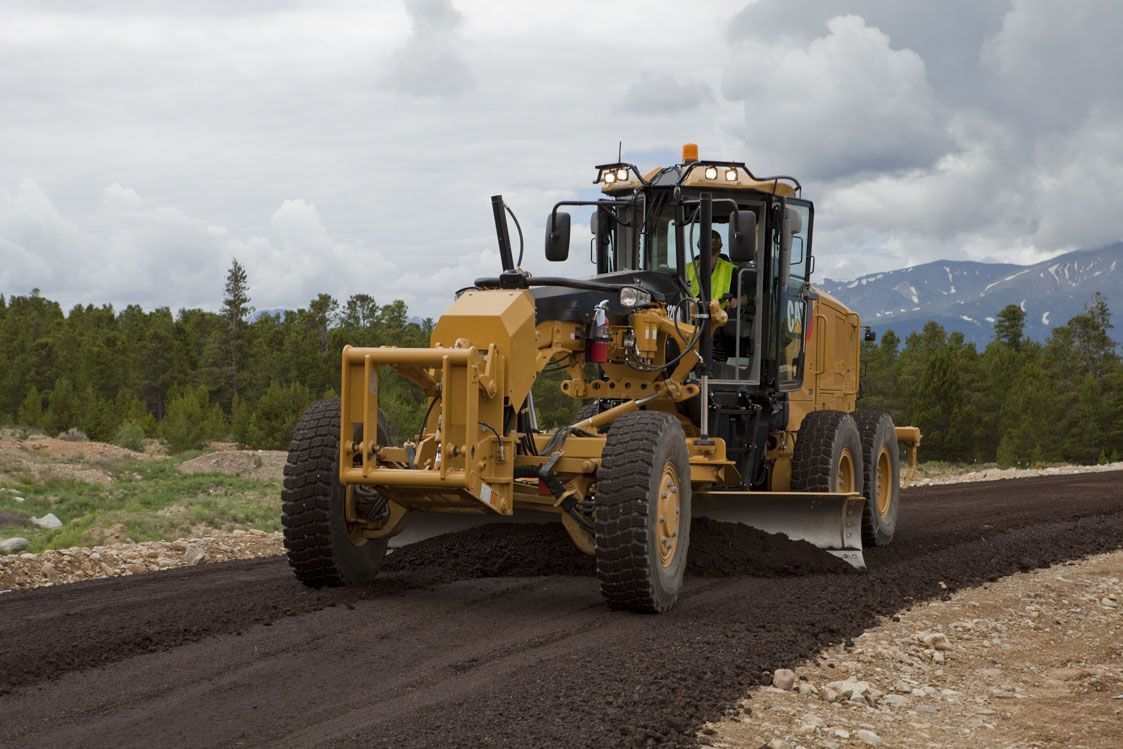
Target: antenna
619 152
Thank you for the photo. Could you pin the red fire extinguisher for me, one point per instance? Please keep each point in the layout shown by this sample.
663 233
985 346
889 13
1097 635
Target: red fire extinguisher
599 337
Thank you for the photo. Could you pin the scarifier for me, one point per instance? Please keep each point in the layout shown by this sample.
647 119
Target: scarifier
737 406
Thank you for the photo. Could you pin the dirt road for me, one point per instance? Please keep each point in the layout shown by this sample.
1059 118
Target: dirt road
239 653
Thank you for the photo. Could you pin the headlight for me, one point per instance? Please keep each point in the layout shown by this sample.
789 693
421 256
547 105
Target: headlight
630 296
711 172
622 173
730 175
608 178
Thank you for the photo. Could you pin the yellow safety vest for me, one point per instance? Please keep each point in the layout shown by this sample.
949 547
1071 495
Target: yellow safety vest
721 278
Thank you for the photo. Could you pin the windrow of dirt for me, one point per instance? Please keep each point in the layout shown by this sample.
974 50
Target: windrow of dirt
717 549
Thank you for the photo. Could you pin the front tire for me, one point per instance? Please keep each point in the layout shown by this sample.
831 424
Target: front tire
882 476
322 550
643 512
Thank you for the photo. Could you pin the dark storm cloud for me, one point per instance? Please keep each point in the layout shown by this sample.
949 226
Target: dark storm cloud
945 129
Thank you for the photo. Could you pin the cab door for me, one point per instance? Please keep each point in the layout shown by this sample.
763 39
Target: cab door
792 244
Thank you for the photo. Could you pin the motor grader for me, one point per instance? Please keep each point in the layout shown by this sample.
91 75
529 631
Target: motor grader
737 405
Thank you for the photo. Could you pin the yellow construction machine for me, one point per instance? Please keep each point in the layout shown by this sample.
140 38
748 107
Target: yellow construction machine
737 404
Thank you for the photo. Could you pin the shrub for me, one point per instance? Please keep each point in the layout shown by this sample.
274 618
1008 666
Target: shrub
130 435
64 409
191 420
30 412
74 435
275 416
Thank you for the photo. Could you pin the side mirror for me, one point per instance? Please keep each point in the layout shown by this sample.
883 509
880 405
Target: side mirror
557 236
868 334
742 237
594 222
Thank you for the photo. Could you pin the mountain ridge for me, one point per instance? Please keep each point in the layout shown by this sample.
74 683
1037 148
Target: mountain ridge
965 295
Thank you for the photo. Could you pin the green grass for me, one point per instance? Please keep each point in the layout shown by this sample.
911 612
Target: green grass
147 501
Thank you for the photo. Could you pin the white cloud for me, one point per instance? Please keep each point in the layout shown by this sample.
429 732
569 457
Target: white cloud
133 251
430 62
659 93
846 103
325 145
1015 150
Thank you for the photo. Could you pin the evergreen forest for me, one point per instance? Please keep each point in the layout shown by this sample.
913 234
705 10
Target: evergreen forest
196 376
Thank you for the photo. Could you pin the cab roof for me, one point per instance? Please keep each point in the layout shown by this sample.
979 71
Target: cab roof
715 175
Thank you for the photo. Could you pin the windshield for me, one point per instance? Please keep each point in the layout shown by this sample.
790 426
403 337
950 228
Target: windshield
659 246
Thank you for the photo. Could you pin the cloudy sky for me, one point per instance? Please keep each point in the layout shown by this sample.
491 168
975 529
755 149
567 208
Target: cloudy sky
352 146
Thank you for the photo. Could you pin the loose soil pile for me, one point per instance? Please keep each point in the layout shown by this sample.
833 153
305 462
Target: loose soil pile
38 459
48 447
717 549
253 464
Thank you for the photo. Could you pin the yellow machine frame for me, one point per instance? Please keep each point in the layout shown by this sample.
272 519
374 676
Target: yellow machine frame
486 353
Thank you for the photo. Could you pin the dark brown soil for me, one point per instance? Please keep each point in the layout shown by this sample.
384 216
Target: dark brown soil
717 549
239 653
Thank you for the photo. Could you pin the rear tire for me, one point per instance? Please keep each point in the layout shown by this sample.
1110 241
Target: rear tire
881 474
828 454
587 411
322 551
643 512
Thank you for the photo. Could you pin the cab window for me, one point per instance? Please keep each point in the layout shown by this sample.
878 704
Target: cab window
795 302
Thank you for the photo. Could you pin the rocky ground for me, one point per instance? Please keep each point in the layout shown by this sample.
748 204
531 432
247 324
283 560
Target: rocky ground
58 566
938 474
1032 660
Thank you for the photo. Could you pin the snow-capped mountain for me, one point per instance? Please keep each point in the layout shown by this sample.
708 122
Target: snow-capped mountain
965 295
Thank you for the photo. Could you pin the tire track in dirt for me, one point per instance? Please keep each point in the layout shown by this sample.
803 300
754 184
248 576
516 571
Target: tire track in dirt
185 656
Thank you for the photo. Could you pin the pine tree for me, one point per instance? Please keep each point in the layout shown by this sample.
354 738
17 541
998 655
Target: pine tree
938 399
98 419
274 419
241 424
64 409
235 309
1010 325
30 413
191 420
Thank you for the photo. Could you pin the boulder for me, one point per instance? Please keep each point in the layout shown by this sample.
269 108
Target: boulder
193 554
13 545
783 678
49 521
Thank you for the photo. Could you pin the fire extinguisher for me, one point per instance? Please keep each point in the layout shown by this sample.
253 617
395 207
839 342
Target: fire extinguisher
599 337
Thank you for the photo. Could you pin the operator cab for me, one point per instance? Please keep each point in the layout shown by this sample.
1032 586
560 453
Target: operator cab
649 228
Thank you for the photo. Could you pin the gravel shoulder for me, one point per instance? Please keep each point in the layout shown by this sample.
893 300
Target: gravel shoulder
1032 660
61 566
940 475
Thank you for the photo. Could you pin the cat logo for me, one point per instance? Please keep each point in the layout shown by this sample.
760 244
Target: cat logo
795 318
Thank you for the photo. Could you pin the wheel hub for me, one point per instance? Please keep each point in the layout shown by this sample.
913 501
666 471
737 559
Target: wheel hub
884 482
846 482
670 510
